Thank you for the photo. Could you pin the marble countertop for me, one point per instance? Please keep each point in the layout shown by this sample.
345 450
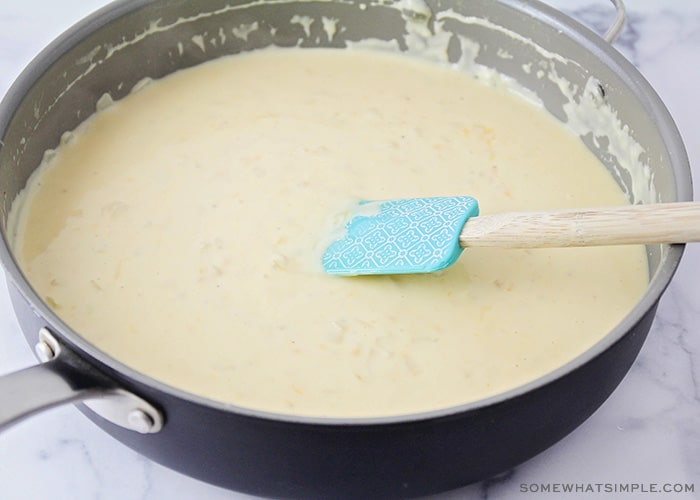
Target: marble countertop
647 432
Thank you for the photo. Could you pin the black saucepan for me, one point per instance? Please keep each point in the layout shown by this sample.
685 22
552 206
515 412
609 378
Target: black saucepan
286 456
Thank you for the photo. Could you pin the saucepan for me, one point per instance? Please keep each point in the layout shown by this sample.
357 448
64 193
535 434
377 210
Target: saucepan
559 61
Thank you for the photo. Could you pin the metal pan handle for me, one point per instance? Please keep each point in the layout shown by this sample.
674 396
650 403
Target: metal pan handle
63 378
618 23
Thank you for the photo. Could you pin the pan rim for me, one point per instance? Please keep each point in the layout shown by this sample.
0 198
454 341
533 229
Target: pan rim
585 38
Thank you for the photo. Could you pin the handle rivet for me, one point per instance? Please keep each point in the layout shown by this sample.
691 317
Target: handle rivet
47 347
140 421
44 351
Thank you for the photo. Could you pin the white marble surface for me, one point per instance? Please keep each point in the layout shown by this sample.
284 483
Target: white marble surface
647 432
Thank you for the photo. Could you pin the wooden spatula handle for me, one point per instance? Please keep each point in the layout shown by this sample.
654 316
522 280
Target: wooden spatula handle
630 224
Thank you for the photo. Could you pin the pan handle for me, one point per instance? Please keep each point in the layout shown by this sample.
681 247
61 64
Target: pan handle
64 378
618 23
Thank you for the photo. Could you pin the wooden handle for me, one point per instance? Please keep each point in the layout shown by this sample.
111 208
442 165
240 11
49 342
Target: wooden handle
630 224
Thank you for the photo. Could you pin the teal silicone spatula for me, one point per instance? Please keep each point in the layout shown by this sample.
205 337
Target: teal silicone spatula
424 235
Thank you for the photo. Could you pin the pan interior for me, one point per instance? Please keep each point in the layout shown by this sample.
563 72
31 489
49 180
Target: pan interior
174 37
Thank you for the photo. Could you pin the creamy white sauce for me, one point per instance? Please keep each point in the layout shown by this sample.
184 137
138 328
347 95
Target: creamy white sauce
179 229
241 32
304 21
330 27
425 40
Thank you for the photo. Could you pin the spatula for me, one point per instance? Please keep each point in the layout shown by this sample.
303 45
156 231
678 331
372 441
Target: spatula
424 235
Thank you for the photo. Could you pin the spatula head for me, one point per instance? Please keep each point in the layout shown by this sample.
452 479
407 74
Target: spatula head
408 236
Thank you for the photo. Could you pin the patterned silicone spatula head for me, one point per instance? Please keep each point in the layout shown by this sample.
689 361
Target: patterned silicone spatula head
416 235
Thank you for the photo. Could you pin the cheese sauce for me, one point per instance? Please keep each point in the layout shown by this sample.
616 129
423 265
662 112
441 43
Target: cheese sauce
178 230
